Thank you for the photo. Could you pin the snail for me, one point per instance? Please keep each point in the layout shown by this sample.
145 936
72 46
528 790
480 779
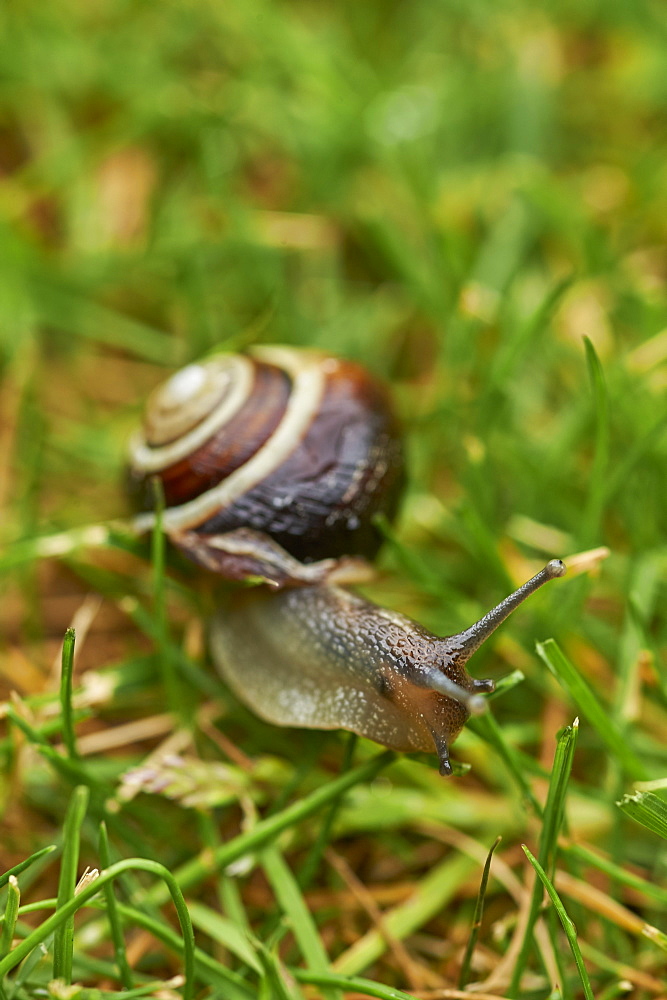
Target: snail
274 465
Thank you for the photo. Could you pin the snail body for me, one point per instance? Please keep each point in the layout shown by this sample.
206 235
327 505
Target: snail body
273 467
322 657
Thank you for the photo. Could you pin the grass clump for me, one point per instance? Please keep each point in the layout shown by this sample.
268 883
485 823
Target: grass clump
470 200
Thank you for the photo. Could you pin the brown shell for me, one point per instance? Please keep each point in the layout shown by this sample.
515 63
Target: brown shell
307 452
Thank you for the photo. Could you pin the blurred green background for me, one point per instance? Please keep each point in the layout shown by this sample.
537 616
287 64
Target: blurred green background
468 197
454 193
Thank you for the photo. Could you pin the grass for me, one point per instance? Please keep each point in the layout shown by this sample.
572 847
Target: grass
470 199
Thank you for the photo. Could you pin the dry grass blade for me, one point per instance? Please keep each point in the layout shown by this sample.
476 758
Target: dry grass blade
428 898
416 974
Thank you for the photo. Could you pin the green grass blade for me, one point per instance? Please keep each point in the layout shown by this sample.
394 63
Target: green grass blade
10 916
620 875
314 857
464 976
591 709
74 771
67 668
81 316
568 926
648 809
356 984
115 927
486 727
554 809
291 901
175 701
551 823
269 828
277 984
22 865
206 967
506 684
226 933
66 911
64 935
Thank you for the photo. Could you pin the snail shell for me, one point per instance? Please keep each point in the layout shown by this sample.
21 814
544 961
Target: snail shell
296 446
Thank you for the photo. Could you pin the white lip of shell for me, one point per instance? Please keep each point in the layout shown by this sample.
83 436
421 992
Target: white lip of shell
308 381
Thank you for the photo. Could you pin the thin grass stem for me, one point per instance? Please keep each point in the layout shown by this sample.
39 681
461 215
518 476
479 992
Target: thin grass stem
588 704
551 823
568 926
117 937
63 940
10 916
464 975
67 669
486 727
22 865
158 560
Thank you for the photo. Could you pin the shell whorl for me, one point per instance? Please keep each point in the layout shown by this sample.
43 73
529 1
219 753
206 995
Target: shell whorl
292 443
237 388
187 409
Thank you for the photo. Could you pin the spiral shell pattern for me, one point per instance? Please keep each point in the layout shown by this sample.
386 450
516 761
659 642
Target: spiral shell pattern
295 444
